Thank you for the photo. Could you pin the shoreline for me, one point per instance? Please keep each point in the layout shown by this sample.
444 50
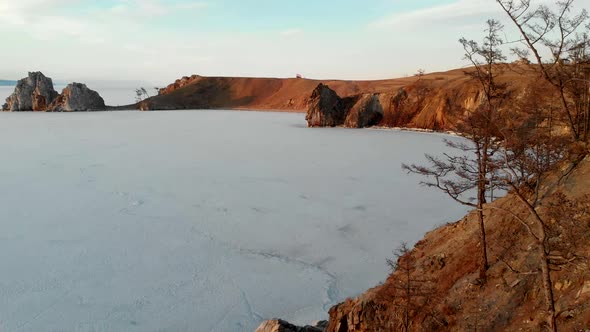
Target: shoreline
376 128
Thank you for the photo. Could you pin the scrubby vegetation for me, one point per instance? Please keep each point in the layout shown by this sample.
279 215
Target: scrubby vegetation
534 244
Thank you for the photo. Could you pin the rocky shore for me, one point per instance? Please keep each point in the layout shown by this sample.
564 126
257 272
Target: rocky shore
279 325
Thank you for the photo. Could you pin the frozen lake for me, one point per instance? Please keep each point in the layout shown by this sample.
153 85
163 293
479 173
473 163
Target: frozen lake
199 221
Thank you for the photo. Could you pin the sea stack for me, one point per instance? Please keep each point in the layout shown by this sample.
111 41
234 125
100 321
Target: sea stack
33 93
77 97
36 93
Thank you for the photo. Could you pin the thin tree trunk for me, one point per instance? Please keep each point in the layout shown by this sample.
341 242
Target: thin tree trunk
544 260
483 262
548 287
481 200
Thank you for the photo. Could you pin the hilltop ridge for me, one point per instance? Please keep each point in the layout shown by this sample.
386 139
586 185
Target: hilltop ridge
431 101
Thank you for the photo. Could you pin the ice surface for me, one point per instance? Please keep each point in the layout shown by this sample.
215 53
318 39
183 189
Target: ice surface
200 220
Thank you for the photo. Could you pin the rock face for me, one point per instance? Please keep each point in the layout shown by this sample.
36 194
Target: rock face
33 93
36 93
77 97
178 84
278 325
355 315
326 109
366 112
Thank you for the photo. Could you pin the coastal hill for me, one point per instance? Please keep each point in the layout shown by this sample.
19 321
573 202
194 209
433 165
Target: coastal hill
430 101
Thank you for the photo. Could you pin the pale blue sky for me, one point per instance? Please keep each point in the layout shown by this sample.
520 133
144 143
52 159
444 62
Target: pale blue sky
160 40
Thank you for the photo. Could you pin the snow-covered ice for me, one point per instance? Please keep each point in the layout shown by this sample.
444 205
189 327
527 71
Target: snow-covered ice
200 220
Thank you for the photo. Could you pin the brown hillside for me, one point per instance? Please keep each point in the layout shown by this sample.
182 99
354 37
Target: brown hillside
512 299
433 101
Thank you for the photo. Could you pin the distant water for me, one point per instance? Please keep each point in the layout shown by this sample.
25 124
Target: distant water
199 220
113 96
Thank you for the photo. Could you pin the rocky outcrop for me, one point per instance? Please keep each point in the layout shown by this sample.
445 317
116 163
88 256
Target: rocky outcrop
77 97
358 315
326 109
36 93
366 112
33 93
178 84
278 325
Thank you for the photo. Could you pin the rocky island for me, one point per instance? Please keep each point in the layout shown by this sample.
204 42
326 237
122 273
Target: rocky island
36 93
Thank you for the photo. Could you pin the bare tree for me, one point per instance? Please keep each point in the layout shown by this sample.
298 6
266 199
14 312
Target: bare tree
141 94
408 293
561 36
530 153
475 167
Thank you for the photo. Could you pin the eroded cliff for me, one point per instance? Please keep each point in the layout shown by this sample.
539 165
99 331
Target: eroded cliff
433 101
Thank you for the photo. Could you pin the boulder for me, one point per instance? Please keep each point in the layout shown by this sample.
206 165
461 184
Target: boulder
325 108
77 97
33 93
366 112
278 325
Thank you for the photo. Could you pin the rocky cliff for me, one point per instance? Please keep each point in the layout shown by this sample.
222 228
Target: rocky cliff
36 93
446 294
326 109
33 93
77 97
278 325
366 112
433 101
